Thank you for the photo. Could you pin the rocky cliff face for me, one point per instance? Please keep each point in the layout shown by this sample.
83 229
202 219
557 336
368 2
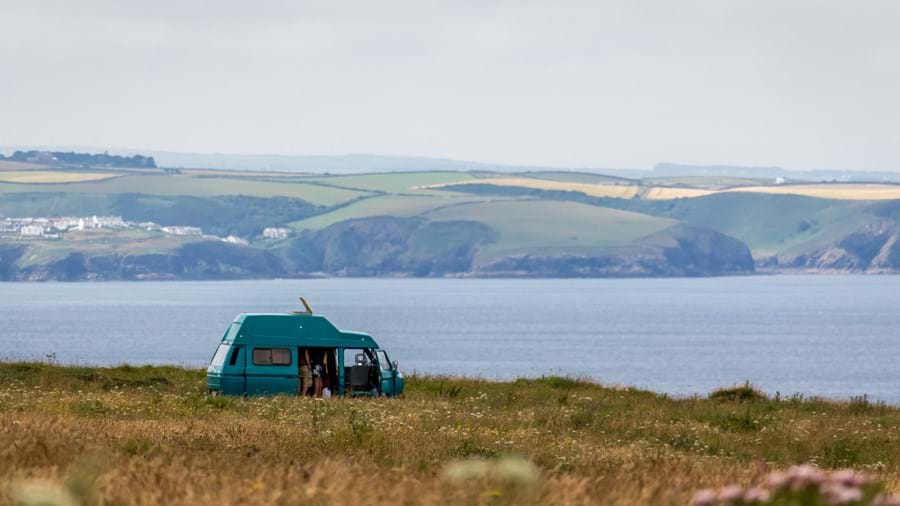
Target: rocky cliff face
874 250
390 246
201 260
677 251
9 255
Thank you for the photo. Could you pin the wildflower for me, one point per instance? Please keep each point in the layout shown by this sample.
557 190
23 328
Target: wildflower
886 500
756 495
42 493
704 497
517 470
466 470
804 476
839 494
850 478
731 494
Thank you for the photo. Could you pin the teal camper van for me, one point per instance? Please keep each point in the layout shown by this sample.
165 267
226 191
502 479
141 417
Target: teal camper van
263 354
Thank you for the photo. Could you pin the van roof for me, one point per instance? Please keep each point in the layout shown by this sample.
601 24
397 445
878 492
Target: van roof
293 329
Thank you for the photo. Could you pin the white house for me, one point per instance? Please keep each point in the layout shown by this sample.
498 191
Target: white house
32 231
276 233
183 230
236 240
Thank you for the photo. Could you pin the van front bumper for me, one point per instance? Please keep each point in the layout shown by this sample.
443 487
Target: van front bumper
214 383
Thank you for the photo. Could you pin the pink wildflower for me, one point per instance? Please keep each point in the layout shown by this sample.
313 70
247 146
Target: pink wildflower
705 497
804 476
886 500
731 493
755 495
847 495
778 481
850 478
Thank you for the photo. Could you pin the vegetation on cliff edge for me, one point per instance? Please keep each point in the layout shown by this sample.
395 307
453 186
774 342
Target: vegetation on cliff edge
151 435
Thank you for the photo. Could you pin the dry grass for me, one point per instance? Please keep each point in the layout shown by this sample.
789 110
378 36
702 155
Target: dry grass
151 436
831 191
244 173
14 165
667 193
43 176
824 190
594 190
840 191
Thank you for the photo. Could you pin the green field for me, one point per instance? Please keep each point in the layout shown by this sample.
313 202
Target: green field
151 435
540 212
705 181
385 205
396 182
546 225
768 224
577 177
197 186
99 242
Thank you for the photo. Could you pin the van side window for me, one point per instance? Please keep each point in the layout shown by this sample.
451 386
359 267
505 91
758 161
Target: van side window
234 356
281 356
271 356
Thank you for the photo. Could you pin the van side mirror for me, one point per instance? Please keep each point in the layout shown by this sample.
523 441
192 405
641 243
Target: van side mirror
395 365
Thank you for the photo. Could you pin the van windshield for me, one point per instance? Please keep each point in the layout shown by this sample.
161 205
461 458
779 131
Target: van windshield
384 361
218 359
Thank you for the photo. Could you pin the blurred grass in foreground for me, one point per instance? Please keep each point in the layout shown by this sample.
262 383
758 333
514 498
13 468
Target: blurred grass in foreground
151 435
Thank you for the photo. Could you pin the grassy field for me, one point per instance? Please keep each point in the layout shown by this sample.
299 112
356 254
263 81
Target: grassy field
243 173
43 176
831 191
385 205
394 182
539 213
544 225
578 177
769 224
331 190
667 193
99 242
651 191
13 165
151 435
713 182
624 191
199 186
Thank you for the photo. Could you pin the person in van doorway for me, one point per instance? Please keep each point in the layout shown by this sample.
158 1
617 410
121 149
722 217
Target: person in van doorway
326 373
318 371
306 377
317 380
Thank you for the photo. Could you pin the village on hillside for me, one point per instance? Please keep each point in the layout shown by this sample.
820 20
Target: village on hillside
56 228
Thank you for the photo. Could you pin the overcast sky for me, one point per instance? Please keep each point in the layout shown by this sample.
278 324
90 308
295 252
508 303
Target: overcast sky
799 84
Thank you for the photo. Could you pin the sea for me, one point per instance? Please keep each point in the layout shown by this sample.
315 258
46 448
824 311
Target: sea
829 336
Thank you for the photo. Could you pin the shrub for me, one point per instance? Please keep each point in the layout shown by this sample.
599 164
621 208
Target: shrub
559 382
742 393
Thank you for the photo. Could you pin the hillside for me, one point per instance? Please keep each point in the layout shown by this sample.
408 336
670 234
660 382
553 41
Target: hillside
783 231
132 435
439 223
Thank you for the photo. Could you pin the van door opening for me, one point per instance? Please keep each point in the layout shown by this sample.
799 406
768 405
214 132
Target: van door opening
323 371
360 372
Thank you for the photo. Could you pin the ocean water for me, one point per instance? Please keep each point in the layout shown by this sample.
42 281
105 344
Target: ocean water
834 336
